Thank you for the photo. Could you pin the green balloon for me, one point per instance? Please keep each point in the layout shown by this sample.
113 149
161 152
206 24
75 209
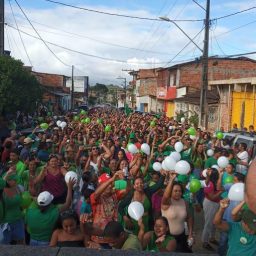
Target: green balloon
44 126
87 120
83 121
83 112
76 118
26 200
183 178
195 185
49 113
99 121
229 179
108 128
191 131
120 184
152 123
219 135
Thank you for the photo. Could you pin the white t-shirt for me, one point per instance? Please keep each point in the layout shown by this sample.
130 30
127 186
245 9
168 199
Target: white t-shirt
244 157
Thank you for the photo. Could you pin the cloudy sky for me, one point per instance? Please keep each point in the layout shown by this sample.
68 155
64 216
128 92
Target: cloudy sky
101 46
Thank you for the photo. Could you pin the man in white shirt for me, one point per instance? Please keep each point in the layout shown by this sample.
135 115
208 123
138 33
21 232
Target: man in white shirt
242 159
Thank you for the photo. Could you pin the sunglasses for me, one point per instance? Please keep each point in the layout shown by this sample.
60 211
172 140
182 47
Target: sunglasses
94 148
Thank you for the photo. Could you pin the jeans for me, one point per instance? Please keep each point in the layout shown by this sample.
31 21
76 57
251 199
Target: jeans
210 209
223 246
14 232
38 243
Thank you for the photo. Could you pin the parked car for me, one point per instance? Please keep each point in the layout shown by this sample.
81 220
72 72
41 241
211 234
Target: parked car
249 141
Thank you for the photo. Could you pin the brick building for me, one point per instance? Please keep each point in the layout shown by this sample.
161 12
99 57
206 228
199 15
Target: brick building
56 95
168 84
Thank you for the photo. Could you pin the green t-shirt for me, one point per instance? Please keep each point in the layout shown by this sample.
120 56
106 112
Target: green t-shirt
106 170
12 208
240 242
41 224
132 243
152 247
186 155
210 162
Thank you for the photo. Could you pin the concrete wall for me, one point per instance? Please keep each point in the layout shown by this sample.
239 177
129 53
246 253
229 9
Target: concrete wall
47 251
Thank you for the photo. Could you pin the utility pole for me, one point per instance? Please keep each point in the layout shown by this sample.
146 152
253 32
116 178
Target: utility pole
72 88
1 27
123 78
203 119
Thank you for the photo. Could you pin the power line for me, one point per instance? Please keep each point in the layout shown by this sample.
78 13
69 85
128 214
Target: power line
91 55
83 53
185 46
95 40
236 28
199 5
112 14
20 35
235 13
40 36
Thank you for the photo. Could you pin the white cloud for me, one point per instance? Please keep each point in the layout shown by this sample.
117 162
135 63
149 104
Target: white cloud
160 37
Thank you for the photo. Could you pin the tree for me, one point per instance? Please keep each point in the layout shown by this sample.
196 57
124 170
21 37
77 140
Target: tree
19 89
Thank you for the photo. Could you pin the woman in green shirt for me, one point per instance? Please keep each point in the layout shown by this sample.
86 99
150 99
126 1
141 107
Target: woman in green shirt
14 229
158 240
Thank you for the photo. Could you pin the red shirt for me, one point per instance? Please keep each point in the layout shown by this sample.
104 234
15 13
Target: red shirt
210 190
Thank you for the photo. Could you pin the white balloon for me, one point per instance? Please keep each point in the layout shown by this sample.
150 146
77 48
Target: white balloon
236 192
70 175
145 148
132 149
222 162
183 120
204 173
178 146
210 152
170 163
164 166
58 122
182 167
136 210
192 137
157 166
63 125
170 127
176 156
215 166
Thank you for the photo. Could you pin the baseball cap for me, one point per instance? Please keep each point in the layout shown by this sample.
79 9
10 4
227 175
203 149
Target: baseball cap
249 219
44 198
103 178
27 141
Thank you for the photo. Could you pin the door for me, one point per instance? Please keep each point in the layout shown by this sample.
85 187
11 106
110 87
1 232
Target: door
243 109
170 109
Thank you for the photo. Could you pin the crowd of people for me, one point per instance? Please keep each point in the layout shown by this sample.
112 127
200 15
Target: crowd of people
42 205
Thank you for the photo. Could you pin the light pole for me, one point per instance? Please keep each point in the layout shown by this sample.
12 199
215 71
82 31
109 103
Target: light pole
123 78
204 86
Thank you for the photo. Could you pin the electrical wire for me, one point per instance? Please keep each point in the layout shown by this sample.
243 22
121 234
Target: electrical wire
86 54
8 39
91 55
216 40
113 14
185 46
235 13
236 28
41 37
199 5
25 49
96 40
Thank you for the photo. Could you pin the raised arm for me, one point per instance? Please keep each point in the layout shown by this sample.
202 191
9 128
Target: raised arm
218 218
250 185
167 193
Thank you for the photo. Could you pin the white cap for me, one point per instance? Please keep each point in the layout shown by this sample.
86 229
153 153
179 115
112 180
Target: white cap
44 198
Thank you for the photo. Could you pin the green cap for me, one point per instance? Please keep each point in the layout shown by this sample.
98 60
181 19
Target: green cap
132 135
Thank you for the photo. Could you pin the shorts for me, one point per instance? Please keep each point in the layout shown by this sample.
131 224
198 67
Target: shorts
14 232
